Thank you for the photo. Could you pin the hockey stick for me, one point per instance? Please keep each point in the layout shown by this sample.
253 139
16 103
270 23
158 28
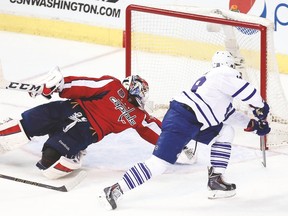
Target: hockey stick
64 188
263 149
232 46
26 87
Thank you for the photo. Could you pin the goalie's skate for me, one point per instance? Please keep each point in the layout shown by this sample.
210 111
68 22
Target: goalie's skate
109 196
217 187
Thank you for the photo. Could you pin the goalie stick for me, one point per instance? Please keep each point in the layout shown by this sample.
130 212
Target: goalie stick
26 87
64 188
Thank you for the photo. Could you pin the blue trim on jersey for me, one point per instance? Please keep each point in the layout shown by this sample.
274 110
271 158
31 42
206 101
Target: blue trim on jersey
198 107
250 96
201 111
208 107
229 114
240 90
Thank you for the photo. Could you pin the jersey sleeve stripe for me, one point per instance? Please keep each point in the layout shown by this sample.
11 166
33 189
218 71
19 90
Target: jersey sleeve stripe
250 96
88 83
229 114
240 90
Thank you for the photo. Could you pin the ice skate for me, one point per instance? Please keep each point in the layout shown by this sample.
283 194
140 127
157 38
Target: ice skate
217 187
109 196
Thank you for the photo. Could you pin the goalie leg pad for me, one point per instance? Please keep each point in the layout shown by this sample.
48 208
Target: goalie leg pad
49 157
62 167
12 135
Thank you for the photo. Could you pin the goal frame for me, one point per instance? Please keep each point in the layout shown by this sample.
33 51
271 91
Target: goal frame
215 20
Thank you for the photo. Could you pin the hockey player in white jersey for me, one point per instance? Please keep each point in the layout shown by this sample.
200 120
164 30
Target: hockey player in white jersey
205 114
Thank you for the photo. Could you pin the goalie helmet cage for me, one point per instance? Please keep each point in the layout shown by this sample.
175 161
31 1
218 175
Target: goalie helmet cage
172 46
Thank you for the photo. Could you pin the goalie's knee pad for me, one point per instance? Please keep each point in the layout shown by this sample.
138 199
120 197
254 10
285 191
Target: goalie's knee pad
12 135
54 166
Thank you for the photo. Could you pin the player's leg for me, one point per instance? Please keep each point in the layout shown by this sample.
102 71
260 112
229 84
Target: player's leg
63 151
141 172
47 118
219 159
178 128
167 149
12 135
37 121
134 177
53 165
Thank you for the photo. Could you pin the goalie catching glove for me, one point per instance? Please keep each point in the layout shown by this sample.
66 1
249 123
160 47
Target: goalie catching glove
261 127
53 82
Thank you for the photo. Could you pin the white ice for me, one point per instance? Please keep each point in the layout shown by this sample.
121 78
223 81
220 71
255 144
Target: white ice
181 191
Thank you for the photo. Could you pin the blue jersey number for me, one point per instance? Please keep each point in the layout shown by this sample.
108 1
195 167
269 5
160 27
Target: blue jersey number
198 83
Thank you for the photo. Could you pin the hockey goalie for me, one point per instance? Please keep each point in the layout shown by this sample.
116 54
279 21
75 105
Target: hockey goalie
92 108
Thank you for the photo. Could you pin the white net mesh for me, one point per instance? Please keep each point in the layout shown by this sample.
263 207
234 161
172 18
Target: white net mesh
171 52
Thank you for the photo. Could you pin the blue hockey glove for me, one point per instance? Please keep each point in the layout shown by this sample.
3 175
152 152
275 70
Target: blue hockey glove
261 113
261 127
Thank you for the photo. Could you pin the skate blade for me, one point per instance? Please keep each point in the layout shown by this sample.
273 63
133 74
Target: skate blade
219 194
103 201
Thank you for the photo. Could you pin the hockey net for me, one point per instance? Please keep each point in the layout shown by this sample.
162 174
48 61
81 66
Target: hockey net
171 46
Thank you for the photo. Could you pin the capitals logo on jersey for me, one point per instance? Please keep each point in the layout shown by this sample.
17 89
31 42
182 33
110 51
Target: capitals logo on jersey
125 112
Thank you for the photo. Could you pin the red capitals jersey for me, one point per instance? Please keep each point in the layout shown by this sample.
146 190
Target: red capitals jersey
105 103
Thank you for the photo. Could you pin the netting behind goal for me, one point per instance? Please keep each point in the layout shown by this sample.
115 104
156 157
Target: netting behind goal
171 48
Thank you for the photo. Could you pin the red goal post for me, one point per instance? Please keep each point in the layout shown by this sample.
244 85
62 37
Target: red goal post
171 46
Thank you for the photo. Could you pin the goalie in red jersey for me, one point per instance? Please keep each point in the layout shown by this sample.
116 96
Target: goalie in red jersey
94 108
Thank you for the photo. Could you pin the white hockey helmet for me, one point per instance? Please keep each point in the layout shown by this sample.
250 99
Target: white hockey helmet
138 88
223 58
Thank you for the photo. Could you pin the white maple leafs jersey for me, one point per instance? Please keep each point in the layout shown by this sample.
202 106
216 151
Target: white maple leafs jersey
212 95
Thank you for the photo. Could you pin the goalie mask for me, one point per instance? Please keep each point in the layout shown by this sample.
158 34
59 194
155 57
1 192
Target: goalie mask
138 88
223 58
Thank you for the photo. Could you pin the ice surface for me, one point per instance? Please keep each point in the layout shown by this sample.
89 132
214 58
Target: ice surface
181 191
